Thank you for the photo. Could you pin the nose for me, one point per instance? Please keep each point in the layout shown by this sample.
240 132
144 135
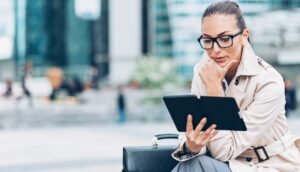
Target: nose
216 47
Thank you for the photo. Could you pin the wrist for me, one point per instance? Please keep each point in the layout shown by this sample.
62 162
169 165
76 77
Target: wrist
187 150
215 90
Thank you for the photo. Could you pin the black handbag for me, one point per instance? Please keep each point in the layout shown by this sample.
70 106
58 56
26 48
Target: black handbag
150 158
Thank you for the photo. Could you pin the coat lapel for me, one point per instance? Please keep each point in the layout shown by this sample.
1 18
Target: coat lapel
248 67
238 91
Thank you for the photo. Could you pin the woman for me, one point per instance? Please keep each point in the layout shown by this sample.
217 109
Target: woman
229 67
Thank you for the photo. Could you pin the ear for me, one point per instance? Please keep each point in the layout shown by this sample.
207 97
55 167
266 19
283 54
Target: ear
245 36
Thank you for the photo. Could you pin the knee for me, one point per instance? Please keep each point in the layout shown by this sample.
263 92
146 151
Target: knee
191 165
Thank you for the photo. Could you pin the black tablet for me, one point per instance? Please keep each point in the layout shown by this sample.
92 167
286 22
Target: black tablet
222 111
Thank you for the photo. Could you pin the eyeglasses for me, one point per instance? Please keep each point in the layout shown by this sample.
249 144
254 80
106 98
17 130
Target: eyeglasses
222 41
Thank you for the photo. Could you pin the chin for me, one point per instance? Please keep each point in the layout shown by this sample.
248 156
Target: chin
222 64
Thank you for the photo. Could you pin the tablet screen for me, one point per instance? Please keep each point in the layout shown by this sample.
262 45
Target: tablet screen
222 111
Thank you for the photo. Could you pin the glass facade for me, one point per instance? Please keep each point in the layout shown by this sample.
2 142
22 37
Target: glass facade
55 36
176 26
160 29
7 26
36 32
49 33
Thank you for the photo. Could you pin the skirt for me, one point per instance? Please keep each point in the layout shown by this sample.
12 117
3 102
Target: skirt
202 163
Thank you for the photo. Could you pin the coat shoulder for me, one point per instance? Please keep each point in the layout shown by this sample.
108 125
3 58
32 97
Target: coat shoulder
268 72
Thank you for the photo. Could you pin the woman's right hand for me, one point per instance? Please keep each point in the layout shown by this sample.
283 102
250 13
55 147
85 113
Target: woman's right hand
197 139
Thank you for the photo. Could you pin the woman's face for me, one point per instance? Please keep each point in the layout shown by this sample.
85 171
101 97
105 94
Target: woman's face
218 25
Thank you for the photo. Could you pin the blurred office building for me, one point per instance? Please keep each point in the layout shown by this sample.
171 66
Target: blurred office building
112 34
71 34
274 26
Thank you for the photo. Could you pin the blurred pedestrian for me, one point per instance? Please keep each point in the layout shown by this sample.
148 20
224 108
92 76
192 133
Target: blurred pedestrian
74 86
290 96
25 79
8 88
121 104
55 76
94 77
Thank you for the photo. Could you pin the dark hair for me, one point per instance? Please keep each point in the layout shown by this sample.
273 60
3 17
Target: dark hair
228 8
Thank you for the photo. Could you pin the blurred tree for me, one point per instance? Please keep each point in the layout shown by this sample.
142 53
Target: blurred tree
156 73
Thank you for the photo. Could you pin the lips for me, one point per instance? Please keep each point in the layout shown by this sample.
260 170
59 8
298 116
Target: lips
219 59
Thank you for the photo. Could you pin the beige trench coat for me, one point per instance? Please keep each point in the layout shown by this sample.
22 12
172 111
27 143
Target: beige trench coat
259 92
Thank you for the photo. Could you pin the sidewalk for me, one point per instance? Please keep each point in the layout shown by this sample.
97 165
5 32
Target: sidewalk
94 109
80 149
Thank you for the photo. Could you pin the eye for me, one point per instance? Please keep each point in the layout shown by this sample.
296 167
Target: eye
224 39
207 41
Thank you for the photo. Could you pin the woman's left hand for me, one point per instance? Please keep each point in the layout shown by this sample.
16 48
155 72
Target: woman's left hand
212 75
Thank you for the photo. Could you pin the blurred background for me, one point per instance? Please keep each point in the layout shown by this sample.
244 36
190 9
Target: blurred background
80 79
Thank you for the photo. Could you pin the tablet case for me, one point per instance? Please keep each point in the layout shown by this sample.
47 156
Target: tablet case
222 111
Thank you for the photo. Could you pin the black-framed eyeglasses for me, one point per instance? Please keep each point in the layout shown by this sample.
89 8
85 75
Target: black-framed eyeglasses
222 41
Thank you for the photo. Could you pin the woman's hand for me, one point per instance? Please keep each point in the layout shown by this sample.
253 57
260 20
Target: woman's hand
212 75
197 139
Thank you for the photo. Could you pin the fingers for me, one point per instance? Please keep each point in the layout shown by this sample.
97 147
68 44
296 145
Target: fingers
212 63
208 131
207 135
189 124
200 72
196 139
230 64
204 72
211 135
200 125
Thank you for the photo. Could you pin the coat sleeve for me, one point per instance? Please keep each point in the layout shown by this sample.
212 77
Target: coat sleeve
268 102
180 155
198 87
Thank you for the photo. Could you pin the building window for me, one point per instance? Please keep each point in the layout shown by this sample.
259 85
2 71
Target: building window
7 27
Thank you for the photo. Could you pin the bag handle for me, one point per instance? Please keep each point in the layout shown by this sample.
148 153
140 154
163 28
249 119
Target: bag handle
165 136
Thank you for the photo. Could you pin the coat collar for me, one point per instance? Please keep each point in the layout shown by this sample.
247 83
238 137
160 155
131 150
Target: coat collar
249 65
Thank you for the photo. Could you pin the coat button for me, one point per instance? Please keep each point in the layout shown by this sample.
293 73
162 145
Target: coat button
259 61
248 159
237 81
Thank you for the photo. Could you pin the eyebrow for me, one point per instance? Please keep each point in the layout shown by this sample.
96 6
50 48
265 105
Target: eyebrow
217 35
